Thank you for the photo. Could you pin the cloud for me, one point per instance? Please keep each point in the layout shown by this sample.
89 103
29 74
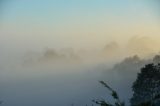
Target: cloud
126 69
130 66
51 54
111 50
142 46
111 47
51 57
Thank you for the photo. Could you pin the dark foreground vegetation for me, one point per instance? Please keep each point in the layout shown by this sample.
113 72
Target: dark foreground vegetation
146 89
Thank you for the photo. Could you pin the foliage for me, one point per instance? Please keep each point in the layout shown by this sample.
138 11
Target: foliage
113 94
146 89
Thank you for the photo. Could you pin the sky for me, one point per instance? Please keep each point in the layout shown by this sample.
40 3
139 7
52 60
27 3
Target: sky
50 49
78 24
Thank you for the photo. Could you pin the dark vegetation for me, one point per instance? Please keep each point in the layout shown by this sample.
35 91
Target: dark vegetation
146 89
114 94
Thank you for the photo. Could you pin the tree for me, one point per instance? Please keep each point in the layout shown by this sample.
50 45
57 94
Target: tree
146 88
113 94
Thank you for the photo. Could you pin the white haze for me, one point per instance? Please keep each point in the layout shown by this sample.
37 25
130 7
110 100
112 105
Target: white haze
60 77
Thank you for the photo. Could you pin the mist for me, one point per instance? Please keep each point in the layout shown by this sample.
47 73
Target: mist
53 53
66 76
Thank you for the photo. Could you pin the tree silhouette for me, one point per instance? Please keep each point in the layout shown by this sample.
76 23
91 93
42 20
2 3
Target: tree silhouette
113 94
146 88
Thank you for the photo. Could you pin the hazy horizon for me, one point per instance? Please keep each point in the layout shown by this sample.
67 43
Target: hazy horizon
54 52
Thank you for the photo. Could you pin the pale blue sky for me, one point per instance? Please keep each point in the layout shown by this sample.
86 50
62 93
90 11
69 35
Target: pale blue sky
73 23
61 10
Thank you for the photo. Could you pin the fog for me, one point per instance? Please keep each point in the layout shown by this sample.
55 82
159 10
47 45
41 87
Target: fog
48 80
51 77
54 52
